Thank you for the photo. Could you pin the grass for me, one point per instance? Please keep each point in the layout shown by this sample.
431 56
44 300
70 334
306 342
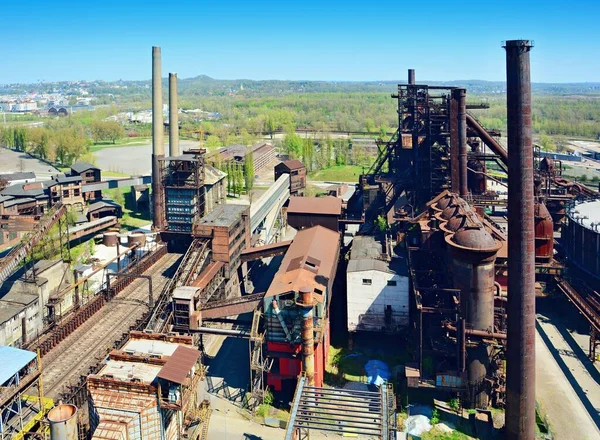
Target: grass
114 174
125 142
437 434
338 173
131 219
265 411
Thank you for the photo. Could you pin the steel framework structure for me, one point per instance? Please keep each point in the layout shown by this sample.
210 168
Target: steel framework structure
342 411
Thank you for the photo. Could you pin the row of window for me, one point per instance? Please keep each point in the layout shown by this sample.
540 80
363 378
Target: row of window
368 282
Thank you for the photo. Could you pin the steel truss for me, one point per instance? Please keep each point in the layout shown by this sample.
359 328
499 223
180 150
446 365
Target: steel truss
342 411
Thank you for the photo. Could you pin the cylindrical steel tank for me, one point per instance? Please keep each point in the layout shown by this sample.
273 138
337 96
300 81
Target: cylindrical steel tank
444 202
544 234
110 239
63 422
138 238
473 252
476 179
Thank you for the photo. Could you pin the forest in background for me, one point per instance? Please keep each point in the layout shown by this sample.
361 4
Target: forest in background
246 111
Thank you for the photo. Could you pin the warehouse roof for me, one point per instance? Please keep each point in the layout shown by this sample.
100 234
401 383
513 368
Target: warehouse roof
213 175
315 205
179 364
80 167
18 176
223 215
293 164
13 361
311 261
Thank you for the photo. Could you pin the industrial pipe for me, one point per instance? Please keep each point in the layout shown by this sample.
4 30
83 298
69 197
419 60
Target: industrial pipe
158 148
478 333
173 116
236 333
411 76
461 98
487 139
308 335
520 377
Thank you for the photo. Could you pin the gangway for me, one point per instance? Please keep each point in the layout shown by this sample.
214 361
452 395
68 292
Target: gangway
11 262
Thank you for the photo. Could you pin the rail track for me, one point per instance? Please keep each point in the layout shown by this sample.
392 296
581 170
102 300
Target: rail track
90 343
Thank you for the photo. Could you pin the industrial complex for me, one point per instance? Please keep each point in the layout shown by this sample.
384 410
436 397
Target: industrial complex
428 250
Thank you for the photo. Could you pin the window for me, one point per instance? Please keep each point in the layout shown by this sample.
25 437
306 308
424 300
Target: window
319 291
65 193
367 281
391 282
309 264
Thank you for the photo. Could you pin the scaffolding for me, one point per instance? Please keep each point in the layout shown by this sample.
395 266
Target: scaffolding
182 179
23 406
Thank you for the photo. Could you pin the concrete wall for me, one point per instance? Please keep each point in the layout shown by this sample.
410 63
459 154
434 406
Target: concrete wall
367 303
11 331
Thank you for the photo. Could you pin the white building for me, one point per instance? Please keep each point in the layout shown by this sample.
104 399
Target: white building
377 288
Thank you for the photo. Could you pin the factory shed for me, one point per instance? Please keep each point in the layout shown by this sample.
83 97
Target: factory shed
297 175
179 365
377 288
310 264
306 212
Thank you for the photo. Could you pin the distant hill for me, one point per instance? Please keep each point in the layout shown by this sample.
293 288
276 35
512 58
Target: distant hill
203 85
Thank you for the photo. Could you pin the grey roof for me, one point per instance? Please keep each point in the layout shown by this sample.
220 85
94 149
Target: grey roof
365 247
11 201
68 179
18 176
5 198
18 296
9 311
223 215
104 203
213 175
368 264
18 191
80 167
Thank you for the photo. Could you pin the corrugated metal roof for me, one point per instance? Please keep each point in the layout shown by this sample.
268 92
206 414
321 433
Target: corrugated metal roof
363 265
179 365
315 205
293 164
12 360
80 167
316 244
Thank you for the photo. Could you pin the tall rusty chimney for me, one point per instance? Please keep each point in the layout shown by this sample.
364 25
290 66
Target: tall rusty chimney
520 378
308 335
411 76
158 147
461 98
173 116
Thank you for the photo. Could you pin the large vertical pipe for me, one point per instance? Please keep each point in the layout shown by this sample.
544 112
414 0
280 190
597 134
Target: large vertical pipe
461 97
411 76
520 380
173 116
308 335
158 148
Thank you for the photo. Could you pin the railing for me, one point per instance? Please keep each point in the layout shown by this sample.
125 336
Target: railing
9 263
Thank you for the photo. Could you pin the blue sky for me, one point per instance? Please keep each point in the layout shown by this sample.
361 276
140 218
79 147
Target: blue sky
313 40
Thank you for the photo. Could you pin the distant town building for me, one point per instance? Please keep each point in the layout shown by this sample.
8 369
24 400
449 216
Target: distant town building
262 155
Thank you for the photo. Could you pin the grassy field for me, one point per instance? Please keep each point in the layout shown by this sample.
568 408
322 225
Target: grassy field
125 142
131 219
114 174
338 173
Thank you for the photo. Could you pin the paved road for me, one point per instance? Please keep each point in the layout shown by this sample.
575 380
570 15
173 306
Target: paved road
15 161
566 387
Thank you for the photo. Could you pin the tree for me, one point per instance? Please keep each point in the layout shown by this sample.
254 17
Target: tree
381 223
546 143
213 141
293 145
270 125
106 131
249 169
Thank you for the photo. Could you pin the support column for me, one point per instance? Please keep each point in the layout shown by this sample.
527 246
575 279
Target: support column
158 148
173 116
308 335
461 97
520 378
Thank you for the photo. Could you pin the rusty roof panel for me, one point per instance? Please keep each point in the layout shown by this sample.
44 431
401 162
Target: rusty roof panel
315 205
179 365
